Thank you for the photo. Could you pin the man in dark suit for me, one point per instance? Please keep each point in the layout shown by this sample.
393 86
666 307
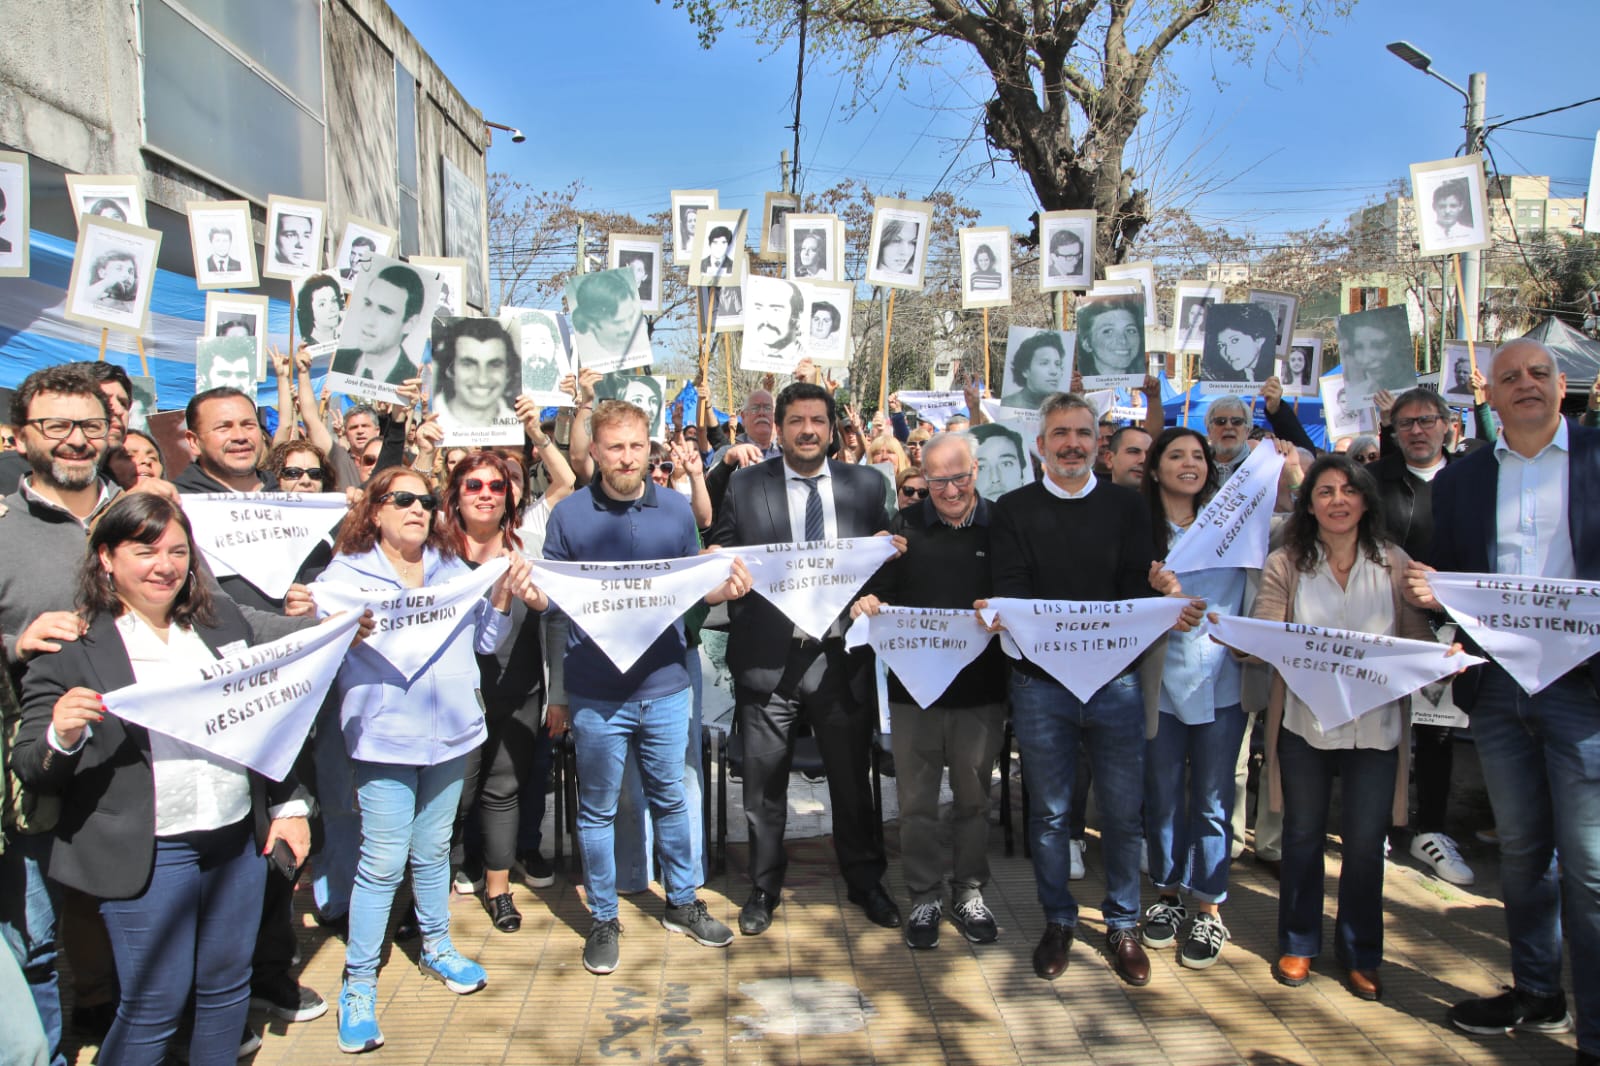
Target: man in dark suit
385 315
221 261
1530 506
780 674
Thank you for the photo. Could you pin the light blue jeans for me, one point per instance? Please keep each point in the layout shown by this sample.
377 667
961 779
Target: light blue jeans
406 814
655 731
30 1003
635 839
1188 829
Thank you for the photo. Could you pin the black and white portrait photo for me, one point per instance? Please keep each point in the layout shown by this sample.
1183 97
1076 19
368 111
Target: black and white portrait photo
239 315
113 270
14 204
1240 351
1002 460
686 205
225 363
811 248
464 223
1144 276
219 238
476 378
452 282
776 207
1066 250
1038 362
1284 307
985 266
1375 352
641 253
827 321
1342 413
608 326
1301 367
774 325
647 393
1455 375
1451 204
1190 301
717 256
360 241
721 309
1110 336
294 235
542 342
113 196
319 312
898 253
385 329
141 402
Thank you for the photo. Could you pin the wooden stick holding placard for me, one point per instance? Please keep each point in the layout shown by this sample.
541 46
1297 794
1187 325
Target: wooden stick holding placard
727 363
1461 298
144 364
883 371
986 346
1188 393
105 335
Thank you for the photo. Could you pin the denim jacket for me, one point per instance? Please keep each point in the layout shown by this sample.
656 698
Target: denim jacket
438 715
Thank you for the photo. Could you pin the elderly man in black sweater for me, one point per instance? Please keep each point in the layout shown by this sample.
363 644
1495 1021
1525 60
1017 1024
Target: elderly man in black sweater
945 565
1072 536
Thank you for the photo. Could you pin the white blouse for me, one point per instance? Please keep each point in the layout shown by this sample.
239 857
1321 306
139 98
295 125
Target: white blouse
1366 605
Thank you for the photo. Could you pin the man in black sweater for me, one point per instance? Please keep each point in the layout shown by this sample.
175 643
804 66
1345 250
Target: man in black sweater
946 565
1072 536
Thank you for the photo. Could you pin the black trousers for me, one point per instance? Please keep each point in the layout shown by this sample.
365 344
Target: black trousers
815 687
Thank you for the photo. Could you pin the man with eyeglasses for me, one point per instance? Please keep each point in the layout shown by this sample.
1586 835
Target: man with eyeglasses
1228 429
1407 464
945 565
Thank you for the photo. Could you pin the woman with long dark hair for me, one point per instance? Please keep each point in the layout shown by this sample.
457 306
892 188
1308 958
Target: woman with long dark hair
1337 569
168 837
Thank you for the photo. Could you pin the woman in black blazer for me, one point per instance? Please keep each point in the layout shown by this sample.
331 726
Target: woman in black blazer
166 835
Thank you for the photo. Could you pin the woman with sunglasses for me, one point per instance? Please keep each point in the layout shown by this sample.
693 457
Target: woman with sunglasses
911 487
168 837
479 511
408 740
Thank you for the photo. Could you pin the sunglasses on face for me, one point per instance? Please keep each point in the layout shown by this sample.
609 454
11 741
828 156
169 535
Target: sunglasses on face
496 487
295 473
663 465
1233 420
367 460
907 490
404 500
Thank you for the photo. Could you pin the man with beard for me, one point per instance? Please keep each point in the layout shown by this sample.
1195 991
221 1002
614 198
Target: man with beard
772 322
115 282
223 368
624 517
116 387
1073 536
782 675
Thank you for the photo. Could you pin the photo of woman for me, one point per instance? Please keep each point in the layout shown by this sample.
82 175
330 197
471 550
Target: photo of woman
318 310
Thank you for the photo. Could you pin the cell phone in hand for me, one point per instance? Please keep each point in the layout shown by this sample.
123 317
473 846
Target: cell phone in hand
282 859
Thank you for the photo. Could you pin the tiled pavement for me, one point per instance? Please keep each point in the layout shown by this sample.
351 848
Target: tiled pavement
825 986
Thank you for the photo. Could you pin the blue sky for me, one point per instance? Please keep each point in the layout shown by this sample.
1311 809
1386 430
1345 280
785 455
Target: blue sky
618 94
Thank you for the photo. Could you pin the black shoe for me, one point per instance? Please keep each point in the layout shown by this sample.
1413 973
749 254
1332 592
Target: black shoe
288 1000
503 912
339 927
756 914
536 870
408 929
600 952
878 905
94 1021
1511 1009
975 921
1050 957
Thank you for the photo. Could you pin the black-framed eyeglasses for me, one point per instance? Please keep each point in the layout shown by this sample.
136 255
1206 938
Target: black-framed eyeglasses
910 490
61 428
1425 421
295 473
1229 420
404 500
496 487
960 481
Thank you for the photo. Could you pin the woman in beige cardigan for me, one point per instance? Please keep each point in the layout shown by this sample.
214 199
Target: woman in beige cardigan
1336 570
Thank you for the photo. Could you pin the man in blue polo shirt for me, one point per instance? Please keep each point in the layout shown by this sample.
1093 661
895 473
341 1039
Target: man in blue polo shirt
622 518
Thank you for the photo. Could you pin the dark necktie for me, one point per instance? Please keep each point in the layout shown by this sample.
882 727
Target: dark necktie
815 528
367 374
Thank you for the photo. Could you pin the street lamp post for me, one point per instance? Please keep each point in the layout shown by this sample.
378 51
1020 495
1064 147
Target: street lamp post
1471 262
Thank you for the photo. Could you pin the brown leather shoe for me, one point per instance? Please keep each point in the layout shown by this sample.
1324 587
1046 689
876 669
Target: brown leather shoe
1292 970
1364 984
1132 964
1050 957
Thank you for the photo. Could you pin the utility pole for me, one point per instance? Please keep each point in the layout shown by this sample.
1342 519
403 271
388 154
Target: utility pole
799 84
784 176
583 250
1472 262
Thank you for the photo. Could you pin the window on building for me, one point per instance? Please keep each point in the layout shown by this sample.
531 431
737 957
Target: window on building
1368 298
233 92
405 98
1530 214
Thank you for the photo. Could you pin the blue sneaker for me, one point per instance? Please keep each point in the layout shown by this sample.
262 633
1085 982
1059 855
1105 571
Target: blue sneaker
460 974
358 1019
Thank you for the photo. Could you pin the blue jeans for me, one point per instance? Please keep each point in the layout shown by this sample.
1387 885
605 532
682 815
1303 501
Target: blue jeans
22 1039
1049 722
406 813
333 867
28 925
635 839
1535 749
191 931
1366 801
1189 836
655 731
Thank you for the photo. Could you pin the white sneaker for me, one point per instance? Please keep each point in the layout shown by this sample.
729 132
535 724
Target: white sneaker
1441 853
1077 860
464 885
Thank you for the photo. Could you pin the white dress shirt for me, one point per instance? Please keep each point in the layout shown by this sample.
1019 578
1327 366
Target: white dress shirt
1060 493
1530 527
799 494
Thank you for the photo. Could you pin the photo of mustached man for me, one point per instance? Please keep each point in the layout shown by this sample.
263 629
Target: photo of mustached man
772 321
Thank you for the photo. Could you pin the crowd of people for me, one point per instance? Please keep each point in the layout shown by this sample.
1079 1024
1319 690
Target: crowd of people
142 857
